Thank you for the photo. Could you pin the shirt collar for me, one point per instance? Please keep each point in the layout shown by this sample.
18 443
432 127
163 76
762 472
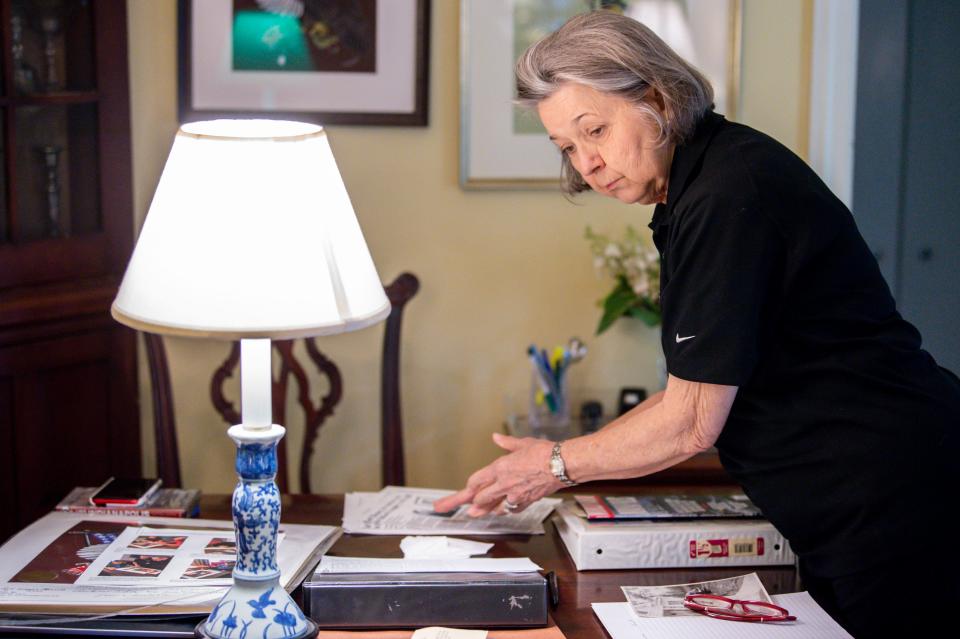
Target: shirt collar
686 158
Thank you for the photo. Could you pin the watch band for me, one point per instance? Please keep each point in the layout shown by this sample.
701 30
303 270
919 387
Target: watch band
558 468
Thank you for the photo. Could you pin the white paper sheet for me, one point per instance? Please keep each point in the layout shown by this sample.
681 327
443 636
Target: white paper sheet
812 623
441 547
374 565
409 511
667 601
436 632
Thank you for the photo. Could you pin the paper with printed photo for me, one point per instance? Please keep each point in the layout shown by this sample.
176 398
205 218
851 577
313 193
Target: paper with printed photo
409 511
667 601
166 557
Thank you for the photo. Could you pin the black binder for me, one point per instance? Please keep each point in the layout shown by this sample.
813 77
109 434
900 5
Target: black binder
417 600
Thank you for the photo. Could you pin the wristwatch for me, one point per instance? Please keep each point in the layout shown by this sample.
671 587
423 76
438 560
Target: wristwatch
558 468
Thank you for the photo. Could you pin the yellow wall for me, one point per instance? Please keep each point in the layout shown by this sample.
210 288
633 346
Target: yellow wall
498 269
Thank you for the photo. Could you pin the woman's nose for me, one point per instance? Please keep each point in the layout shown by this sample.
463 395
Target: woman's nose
590 161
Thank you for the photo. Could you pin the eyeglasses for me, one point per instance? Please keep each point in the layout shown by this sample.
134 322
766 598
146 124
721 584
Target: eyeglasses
736 609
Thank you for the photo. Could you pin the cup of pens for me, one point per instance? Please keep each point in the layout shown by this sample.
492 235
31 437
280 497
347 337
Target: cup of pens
549 411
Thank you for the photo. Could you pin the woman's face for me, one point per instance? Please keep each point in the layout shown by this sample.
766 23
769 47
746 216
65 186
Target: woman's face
611 143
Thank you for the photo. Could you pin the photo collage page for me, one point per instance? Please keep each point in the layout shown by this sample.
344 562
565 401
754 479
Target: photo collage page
163 556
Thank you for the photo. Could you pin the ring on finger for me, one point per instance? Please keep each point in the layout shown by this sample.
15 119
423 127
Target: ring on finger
509 506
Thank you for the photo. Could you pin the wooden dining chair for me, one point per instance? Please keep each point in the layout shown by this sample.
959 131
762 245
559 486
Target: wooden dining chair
316 409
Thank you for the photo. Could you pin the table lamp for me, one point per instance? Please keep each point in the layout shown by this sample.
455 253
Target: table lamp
251 235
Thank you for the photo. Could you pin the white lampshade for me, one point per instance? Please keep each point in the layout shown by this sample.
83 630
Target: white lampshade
251 233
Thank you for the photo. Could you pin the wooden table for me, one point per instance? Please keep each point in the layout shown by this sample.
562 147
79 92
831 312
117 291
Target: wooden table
577 589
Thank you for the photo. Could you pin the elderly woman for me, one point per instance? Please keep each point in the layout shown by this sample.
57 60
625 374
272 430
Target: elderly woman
783 343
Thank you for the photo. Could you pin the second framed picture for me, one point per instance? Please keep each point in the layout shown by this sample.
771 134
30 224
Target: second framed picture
327 61
501 145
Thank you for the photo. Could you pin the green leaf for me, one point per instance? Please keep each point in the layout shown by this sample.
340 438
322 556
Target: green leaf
616 304
648 316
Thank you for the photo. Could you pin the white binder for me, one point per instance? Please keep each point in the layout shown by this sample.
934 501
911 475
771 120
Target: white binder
669 544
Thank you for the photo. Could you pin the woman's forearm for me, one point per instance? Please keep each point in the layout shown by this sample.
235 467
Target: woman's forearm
666 429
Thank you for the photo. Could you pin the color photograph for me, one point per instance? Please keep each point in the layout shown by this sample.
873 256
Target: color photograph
209 569
221 546
312 35
158 542
136 566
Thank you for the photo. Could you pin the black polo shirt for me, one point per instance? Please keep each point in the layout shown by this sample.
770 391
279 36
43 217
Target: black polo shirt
842 423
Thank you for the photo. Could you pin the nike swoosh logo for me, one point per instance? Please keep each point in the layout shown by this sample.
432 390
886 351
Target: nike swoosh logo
683 339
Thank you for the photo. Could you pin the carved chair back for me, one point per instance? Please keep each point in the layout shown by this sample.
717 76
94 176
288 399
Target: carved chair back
316 410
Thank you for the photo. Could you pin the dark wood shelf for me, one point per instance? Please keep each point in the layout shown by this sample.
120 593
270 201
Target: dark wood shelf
45 99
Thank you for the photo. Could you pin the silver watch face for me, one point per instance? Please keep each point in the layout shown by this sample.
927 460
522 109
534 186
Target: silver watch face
556 466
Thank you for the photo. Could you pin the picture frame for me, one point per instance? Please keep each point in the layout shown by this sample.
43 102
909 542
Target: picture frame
363 62
502 147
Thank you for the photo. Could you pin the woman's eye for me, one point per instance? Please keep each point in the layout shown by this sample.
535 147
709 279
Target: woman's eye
567 150
597 131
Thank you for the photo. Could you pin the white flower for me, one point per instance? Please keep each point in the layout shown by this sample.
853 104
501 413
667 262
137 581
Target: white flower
641 287
612 250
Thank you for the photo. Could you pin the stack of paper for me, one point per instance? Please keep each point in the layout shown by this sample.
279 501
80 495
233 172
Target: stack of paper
409 511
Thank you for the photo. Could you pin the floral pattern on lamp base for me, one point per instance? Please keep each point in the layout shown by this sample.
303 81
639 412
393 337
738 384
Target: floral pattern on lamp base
256 605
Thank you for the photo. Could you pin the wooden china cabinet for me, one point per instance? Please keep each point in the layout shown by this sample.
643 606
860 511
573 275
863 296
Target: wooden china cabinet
68 387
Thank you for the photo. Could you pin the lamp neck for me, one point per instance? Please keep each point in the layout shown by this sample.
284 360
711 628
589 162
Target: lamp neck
256 383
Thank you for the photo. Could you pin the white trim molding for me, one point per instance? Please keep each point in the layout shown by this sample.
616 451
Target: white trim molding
833 93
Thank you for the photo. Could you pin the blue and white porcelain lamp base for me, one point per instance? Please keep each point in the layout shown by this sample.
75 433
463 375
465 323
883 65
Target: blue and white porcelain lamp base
256 605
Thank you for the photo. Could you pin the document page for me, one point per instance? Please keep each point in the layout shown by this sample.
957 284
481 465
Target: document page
409 511
667 601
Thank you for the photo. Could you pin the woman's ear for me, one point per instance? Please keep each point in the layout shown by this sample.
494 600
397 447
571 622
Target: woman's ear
655 98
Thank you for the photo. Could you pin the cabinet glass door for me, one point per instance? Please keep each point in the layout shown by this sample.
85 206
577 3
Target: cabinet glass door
51 153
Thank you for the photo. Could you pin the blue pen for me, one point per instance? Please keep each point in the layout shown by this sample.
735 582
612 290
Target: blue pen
552 380
544 377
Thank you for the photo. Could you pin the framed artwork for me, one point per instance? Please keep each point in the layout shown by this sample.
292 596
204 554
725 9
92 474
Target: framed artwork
325 61
502 146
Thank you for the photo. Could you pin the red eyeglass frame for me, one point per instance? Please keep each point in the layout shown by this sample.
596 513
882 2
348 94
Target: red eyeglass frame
728 609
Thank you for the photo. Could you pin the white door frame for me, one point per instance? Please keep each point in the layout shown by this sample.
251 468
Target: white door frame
833 93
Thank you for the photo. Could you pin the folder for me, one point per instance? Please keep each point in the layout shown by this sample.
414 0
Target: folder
669 544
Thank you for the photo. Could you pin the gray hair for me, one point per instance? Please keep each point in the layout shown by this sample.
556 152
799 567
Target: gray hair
615 54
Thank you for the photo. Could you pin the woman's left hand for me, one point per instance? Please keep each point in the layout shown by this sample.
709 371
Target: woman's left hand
520 477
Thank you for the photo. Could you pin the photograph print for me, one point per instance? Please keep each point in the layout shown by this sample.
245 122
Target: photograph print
221 546
209 569
136 566
158 542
